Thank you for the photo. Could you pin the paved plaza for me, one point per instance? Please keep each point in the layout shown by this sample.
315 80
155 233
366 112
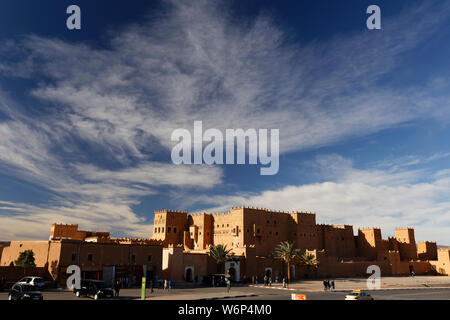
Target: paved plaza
392 288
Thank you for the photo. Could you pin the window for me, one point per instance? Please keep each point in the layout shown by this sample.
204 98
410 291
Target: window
275 222
268 221
133 258
74 256
248 230
156 230
276 233
168 229
162 229
174 230
257 231
149 258
90 257
228 225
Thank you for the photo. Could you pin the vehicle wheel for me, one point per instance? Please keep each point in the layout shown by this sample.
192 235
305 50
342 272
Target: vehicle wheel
96 297
77 294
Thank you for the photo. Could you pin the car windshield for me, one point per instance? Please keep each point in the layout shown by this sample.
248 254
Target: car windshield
29 288
39 280
353 294
101 285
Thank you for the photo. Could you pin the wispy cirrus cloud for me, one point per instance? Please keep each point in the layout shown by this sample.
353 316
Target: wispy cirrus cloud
194 62
372 197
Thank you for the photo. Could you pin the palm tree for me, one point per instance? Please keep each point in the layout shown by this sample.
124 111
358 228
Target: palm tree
220 253
309 260
286 252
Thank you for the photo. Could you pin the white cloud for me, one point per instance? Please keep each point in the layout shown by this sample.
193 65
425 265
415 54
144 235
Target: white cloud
364 198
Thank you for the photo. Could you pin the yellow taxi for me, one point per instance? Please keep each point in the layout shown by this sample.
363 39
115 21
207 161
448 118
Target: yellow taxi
358 295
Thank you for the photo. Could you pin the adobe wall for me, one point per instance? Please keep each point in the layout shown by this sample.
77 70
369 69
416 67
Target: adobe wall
427 250
442 264
175 262
368 241
169 226
406 243
39 248
338 241
13 274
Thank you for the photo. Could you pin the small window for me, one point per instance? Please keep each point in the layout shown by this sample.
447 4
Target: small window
149 258
248 230
156 230
275 222
268 221
168 229
257 231
174 230
162 229
74 256
90 257
133 258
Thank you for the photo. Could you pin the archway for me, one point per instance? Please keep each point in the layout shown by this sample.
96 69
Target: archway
232 273
189 275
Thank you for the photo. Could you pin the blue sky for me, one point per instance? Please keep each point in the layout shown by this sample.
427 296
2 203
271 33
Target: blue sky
86 116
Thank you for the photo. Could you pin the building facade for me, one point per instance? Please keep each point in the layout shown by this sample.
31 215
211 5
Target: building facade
97 255
253 233
179 248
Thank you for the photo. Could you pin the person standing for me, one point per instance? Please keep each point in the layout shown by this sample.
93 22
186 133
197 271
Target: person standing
332 285
170 285
284 282
228 285
116 288
265 281
325 285
270 281
165 284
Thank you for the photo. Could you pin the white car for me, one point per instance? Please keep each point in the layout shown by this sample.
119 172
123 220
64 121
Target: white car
38 282
358 295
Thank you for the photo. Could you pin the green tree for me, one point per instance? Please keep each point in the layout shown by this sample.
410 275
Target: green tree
25 259
286 252
309 260
220 253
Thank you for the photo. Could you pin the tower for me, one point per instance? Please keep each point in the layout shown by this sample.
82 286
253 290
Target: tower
169 226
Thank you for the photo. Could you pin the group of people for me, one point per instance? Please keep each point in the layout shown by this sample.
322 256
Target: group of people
267 281
328 285
167 284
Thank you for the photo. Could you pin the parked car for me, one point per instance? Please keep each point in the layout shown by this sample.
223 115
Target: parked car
21 291
358 295
94 288
38 282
